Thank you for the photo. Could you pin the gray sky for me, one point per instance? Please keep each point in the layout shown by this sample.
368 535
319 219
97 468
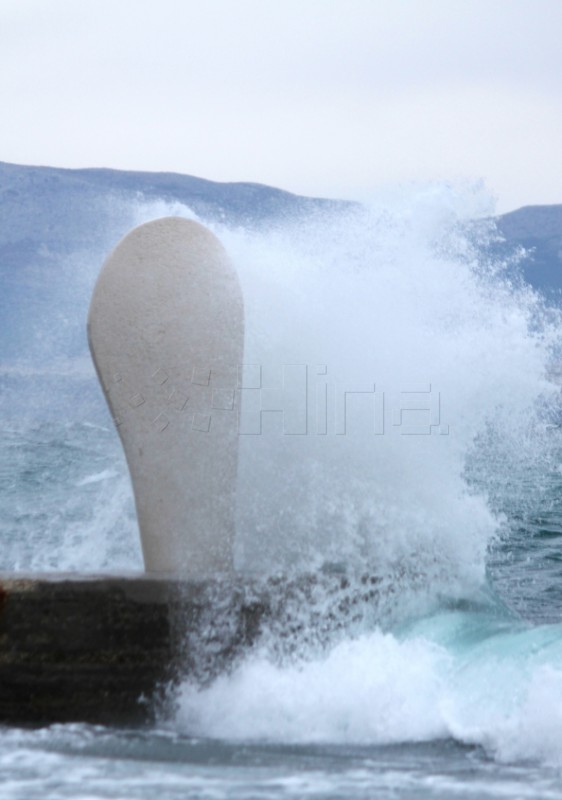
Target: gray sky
325 97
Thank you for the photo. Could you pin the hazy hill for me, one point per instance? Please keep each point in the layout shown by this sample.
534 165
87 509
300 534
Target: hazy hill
539 230
57 225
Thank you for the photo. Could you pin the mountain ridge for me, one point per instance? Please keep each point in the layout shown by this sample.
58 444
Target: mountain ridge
58 224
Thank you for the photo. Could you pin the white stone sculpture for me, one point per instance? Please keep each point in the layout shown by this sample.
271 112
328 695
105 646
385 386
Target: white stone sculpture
166 332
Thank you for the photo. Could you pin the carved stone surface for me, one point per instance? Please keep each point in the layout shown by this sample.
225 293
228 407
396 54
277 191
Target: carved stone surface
166 333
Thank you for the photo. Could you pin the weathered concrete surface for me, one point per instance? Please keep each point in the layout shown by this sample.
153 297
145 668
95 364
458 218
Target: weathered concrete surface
100 649
111 650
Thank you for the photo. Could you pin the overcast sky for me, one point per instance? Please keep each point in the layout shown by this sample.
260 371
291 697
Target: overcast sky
323 97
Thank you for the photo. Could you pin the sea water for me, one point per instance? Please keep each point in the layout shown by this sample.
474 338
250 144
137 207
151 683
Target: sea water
412 436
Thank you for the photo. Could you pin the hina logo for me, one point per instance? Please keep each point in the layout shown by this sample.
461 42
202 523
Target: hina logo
306 402
301 401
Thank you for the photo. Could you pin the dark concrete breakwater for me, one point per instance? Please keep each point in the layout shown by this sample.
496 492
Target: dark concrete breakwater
110 649
102 649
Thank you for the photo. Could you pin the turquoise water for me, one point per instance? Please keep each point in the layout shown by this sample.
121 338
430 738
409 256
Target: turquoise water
463 700
448 682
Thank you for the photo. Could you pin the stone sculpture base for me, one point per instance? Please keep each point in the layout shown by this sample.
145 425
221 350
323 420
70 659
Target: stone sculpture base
111 650
102 650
